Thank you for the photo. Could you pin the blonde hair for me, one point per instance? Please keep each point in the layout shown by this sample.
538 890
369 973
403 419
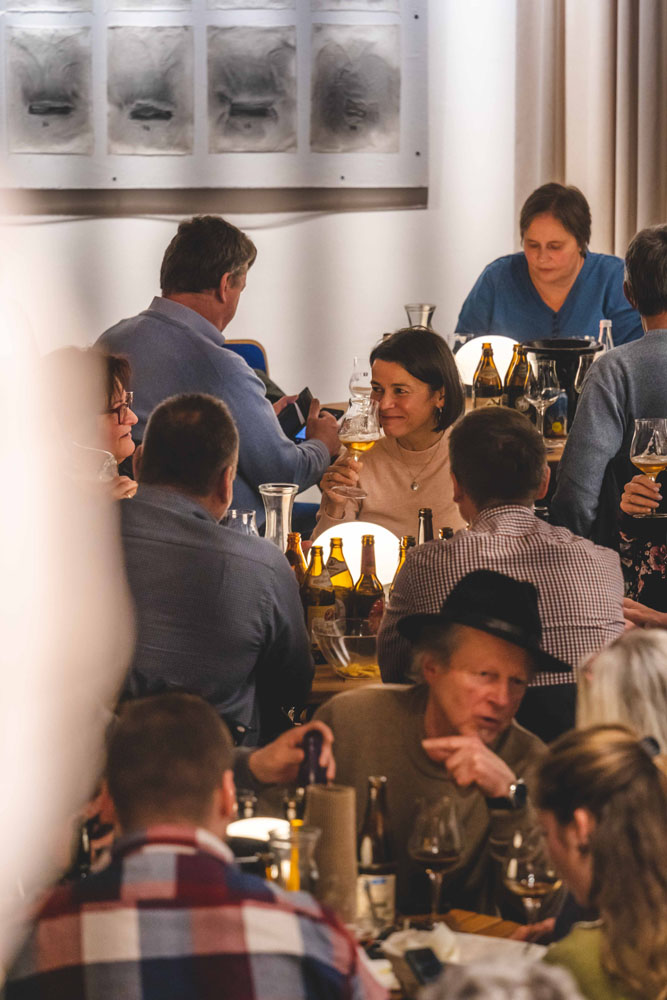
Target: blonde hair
626 684
608 772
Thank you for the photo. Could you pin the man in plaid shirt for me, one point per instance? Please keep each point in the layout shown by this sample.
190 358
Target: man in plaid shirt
499 468
171 917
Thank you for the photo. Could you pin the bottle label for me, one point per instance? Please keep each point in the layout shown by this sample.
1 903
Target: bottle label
336 566
382 889
480 401
325 611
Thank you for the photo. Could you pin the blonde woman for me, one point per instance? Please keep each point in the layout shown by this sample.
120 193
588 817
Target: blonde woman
602 794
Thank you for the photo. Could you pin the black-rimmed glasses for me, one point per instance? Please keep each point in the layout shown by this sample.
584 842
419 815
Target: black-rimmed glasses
122 408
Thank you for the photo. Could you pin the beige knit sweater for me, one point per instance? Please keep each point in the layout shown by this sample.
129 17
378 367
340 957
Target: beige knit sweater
386 475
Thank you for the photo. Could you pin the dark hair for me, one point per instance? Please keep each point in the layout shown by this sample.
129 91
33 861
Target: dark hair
203 249
117 370
646 270
426 357
567 204
497 456
189 441
165 758
608 772
79 384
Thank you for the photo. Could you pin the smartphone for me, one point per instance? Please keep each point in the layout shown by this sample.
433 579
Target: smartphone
293 417
424 964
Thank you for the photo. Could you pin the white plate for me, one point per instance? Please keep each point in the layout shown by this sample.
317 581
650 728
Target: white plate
474 947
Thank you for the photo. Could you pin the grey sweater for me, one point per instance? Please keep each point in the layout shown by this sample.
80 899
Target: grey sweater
627 383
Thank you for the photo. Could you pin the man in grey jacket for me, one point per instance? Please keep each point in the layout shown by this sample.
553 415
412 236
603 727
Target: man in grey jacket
177 345
218 613
625 384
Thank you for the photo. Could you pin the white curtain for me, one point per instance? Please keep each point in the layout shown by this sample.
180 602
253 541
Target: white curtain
591 108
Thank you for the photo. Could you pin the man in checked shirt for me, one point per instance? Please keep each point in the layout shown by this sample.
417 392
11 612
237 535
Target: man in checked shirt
499 468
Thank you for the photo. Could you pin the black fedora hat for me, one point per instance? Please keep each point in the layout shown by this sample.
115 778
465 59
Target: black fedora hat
493 603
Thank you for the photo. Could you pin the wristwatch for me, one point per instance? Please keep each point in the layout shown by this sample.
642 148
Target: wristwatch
515 799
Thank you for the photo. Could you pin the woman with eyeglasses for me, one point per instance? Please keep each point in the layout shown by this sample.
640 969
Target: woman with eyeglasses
88 393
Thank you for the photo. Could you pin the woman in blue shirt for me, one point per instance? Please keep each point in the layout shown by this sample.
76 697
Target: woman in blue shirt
556 287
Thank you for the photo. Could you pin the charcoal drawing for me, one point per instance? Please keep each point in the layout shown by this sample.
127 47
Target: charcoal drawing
355 89
49 85
251 89
367 5
150 90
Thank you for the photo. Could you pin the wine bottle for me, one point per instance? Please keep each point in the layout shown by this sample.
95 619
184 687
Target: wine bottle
487 389
367 599
402 550
425 528
516 380
376 882
341 578
317 596
295 556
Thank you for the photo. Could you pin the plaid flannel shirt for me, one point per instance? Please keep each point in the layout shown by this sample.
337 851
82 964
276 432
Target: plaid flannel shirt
172 918
579 586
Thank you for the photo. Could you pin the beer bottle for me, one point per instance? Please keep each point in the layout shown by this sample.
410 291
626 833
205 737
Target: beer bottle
425 529
446 533
516 379
402 550
317 596
295 556
487 389
367 600
375 859
341 578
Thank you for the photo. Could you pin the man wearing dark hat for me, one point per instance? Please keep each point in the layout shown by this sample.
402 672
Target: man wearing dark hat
453 734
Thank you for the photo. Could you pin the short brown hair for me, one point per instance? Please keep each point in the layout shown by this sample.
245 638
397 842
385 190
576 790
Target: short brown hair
646 270
567 204
497 456
189 441
166 756
203 249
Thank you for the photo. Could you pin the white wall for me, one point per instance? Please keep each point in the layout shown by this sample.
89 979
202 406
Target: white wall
324 286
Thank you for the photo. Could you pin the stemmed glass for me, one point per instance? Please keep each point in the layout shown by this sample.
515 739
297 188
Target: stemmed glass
359 430
435 844
648 451
543 389
529 872
242 521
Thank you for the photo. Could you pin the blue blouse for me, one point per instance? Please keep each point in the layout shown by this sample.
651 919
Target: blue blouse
504 300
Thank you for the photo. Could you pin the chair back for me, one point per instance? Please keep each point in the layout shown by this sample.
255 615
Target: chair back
251 351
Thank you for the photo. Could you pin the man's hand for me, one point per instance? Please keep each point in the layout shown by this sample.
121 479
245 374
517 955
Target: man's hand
278 763
470 762
323 427
638 614
281 403
640 495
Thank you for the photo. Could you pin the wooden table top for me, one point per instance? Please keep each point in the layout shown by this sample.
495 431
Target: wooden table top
479 923
327 683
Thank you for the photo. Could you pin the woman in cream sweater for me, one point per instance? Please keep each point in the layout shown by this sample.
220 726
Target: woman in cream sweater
419 393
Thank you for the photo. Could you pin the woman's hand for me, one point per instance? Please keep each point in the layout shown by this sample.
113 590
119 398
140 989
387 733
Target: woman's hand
344 472
122 488
641 616
640 495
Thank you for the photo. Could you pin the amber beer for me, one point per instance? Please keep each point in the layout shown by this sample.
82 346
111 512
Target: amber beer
295 556
375 859
359 446
407 542
516 380
650 465
317 595
341 578
367 600
487 389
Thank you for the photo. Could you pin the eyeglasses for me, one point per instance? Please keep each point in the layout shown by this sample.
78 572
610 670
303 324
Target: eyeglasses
122 408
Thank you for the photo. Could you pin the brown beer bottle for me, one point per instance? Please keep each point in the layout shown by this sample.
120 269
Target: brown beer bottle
516 379
375 858
446 533
402 550
367 600
317 596
341 578
295 556
425 529
487 389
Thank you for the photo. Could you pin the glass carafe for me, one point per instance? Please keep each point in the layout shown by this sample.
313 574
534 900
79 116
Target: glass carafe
420 314
293 857
278 501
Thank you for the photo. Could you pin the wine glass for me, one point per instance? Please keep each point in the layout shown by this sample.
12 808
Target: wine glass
529 872
435 844
648 451
542 389
585 362
242 521
359 430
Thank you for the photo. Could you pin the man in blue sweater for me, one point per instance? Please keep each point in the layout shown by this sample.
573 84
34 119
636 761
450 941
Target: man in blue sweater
625 384
176 346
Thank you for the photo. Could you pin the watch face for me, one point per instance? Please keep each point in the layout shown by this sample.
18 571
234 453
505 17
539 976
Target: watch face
519 794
